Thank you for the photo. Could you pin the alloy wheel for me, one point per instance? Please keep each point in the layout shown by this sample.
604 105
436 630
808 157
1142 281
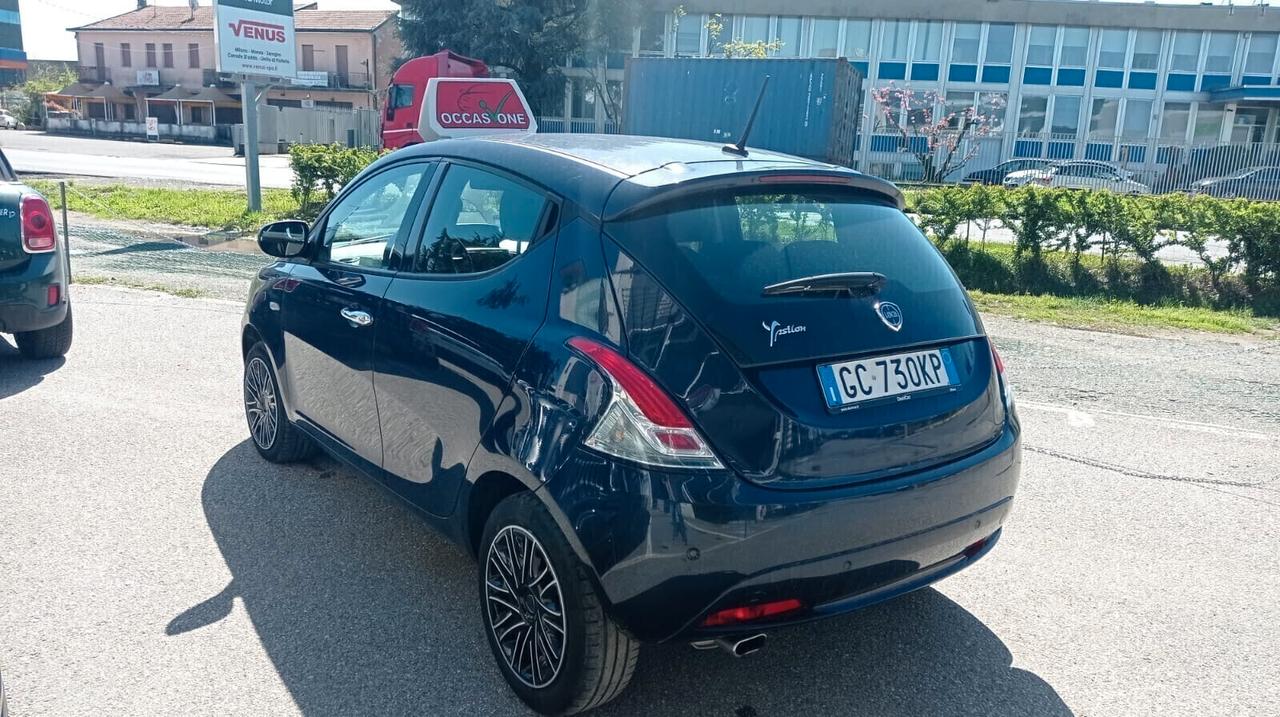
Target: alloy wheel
260 403
525 606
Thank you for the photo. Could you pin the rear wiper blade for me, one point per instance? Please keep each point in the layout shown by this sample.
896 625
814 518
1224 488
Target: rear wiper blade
855 283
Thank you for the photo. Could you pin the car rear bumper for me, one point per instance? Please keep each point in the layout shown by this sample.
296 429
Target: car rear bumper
24 295
669 549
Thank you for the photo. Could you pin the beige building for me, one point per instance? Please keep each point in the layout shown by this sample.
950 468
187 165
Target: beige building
345 60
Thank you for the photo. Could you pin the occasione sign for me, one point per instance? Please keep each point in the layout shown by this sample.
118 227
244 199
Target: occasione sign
457 107
255 37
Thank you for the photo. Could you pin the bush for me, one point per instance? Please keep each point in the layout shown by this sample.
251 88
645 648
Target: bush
1054 230
320 170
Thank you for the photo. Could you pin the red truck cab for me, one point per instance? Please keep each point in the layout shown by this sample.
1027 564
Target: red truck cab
403 113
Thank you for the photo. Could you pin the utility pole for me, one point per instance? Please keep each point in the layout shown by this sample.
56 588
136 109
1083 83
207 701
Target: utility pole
253 180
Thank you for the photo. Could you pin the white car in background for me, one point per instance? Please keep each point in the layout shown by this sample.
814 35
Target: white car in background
1079 174
8 121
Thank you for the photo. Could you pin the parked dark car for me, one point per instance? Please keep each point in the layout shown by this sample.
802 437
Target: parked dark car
996 174
1252 183
663 393
33 271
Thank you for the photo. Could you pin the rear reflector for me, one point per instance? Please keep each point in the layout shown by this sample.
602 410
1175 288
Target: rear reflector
750 613
39 235
54 294
642 423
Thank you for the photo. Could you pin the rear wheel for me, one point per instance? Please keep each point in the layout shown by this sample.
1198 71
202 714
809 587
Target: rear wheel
47 343
276 439
554 643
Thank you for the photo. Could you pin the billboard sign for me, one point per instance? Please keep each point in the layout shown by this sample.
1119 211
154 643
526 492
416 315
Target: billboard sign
255 38
458 107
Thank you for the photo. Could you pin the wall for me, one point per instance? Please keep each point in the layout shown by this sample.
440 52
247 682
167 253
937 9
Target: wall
198 134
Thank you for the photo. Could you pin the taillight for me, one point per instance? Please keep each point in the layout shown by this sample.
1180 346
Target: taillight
750 613
38 233
642 423
1006 391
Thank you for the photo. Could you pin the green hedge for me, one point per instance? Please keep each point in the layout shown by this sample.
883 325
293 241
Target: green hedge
1086 243
320 170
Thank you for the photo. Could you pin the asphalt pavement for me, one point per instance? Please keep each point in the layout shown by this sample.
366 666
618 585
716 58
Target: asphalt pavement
151 564
40 153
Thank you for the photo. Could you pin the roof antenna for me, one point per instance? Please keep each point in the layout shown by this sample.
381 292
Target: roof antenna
740 149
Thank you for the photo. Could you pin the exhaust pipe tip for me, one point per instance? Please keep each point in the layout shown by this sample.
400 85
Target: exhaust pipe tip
741 647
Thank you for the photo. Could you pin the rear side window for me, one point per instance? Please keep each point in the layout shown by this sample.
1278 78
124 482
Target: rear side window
730 246
479 222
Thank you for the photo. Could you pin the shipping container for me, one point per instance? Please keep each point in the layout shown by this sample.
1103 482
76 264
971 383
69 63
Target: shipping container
811 108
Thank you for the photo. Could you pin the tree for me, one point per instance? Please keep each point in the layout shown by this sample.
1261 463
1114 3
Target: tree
943 145
36 87
529 39
733 47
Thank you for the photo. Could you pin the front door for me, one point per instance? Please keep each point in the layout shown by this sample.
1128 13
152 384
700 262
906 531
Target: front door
455 324
335 303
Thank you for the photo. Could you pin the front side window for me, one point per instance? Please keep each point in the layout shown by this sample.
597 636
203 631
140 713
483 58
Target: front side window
363 226
479 221
401 96
964 46
1040 45
999 44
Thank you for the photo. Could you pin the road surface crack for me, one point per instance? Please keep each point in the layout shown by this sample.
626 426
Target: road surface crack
1135 473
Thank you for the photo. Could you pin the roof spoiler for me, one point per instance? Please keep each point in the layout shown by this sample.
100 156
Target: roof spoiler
822 177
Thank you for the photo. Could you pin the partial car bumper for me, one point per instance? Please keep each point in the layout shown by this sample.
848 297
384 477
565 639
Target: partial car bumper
671 549
24 295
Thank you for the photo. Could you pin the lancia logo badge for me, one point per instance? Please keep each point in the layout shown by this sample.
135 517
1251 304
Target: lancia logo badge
890 314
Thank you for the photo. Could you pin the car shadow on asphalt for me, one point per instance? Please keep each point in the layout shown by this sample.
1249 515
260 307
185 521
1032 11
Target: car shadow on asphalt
364 609
18 374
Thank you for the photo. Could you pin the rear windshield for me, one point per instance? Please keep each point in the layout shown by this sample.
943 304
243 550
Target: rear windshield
727 247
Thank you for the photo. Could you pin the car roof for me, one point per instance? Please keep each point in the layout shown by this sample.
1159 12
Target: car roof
586 169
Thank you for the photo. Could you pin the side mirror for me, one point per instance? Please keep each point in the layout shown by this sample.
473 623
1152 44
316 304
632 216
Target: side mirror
286 239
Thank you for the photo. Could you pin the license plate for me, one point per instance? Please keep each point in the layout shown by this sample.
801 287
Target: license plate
853 382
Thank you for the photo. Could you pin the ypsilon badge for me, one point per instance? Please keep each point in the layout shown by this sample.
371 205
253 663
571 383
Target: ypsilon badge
776 329
890 314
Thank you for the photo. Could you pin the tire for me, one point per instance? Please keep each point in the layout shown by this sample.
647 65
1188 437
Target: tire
53 342
597 657
275 438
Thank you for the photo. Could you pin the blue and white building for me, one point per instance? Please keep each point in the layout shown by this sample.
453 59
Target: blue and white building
13 59
1136 83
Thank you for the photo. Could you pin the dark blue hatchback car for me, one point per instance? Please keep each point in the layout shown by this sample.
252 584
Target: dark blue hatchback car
660 391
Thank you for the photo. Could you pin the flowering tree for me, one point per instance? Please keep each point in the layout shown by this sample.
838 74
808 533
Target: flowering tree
942 144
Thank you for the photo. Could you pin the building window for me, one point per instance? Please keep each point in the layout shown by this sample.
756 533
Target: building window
1075 47
789 35
1208 126
168 54
1112 49
1175 121
964 46
1222 52
308 58
689 35
1186 51
1146 49
1102 118
1066 116
151 54
928 42
1137 119
894 43
826 38
999 44
193 55
719 31
755 28
1040 45
1031 115
652 34
955 107
857 39
584 98
126 55
1262 54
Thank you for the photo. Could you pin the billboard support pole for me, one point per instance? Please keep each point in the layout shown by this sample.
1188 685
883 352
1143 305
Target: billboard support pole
253 179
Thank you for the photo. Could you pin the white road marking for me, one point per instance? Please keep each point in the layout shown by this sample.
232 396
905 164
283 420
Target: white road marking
1080 419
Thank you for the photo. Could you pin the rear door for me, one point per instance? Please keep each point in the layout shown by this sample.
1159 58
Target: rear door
767 394
456 321
334 303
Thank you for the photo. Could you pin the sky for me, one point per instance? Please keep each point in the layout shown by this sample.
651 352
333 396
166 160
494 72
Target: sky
44 22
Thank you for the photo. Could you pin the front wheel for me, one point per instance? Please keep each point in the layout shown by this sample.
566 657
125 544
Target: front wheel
554 643
276 439
52 342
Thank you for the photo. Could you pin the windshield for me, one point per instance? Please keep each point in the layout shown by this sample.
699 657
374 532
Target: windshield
728 247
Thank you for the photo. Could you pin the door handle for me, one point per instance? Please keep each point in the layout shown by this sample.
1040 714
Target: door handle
357 318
